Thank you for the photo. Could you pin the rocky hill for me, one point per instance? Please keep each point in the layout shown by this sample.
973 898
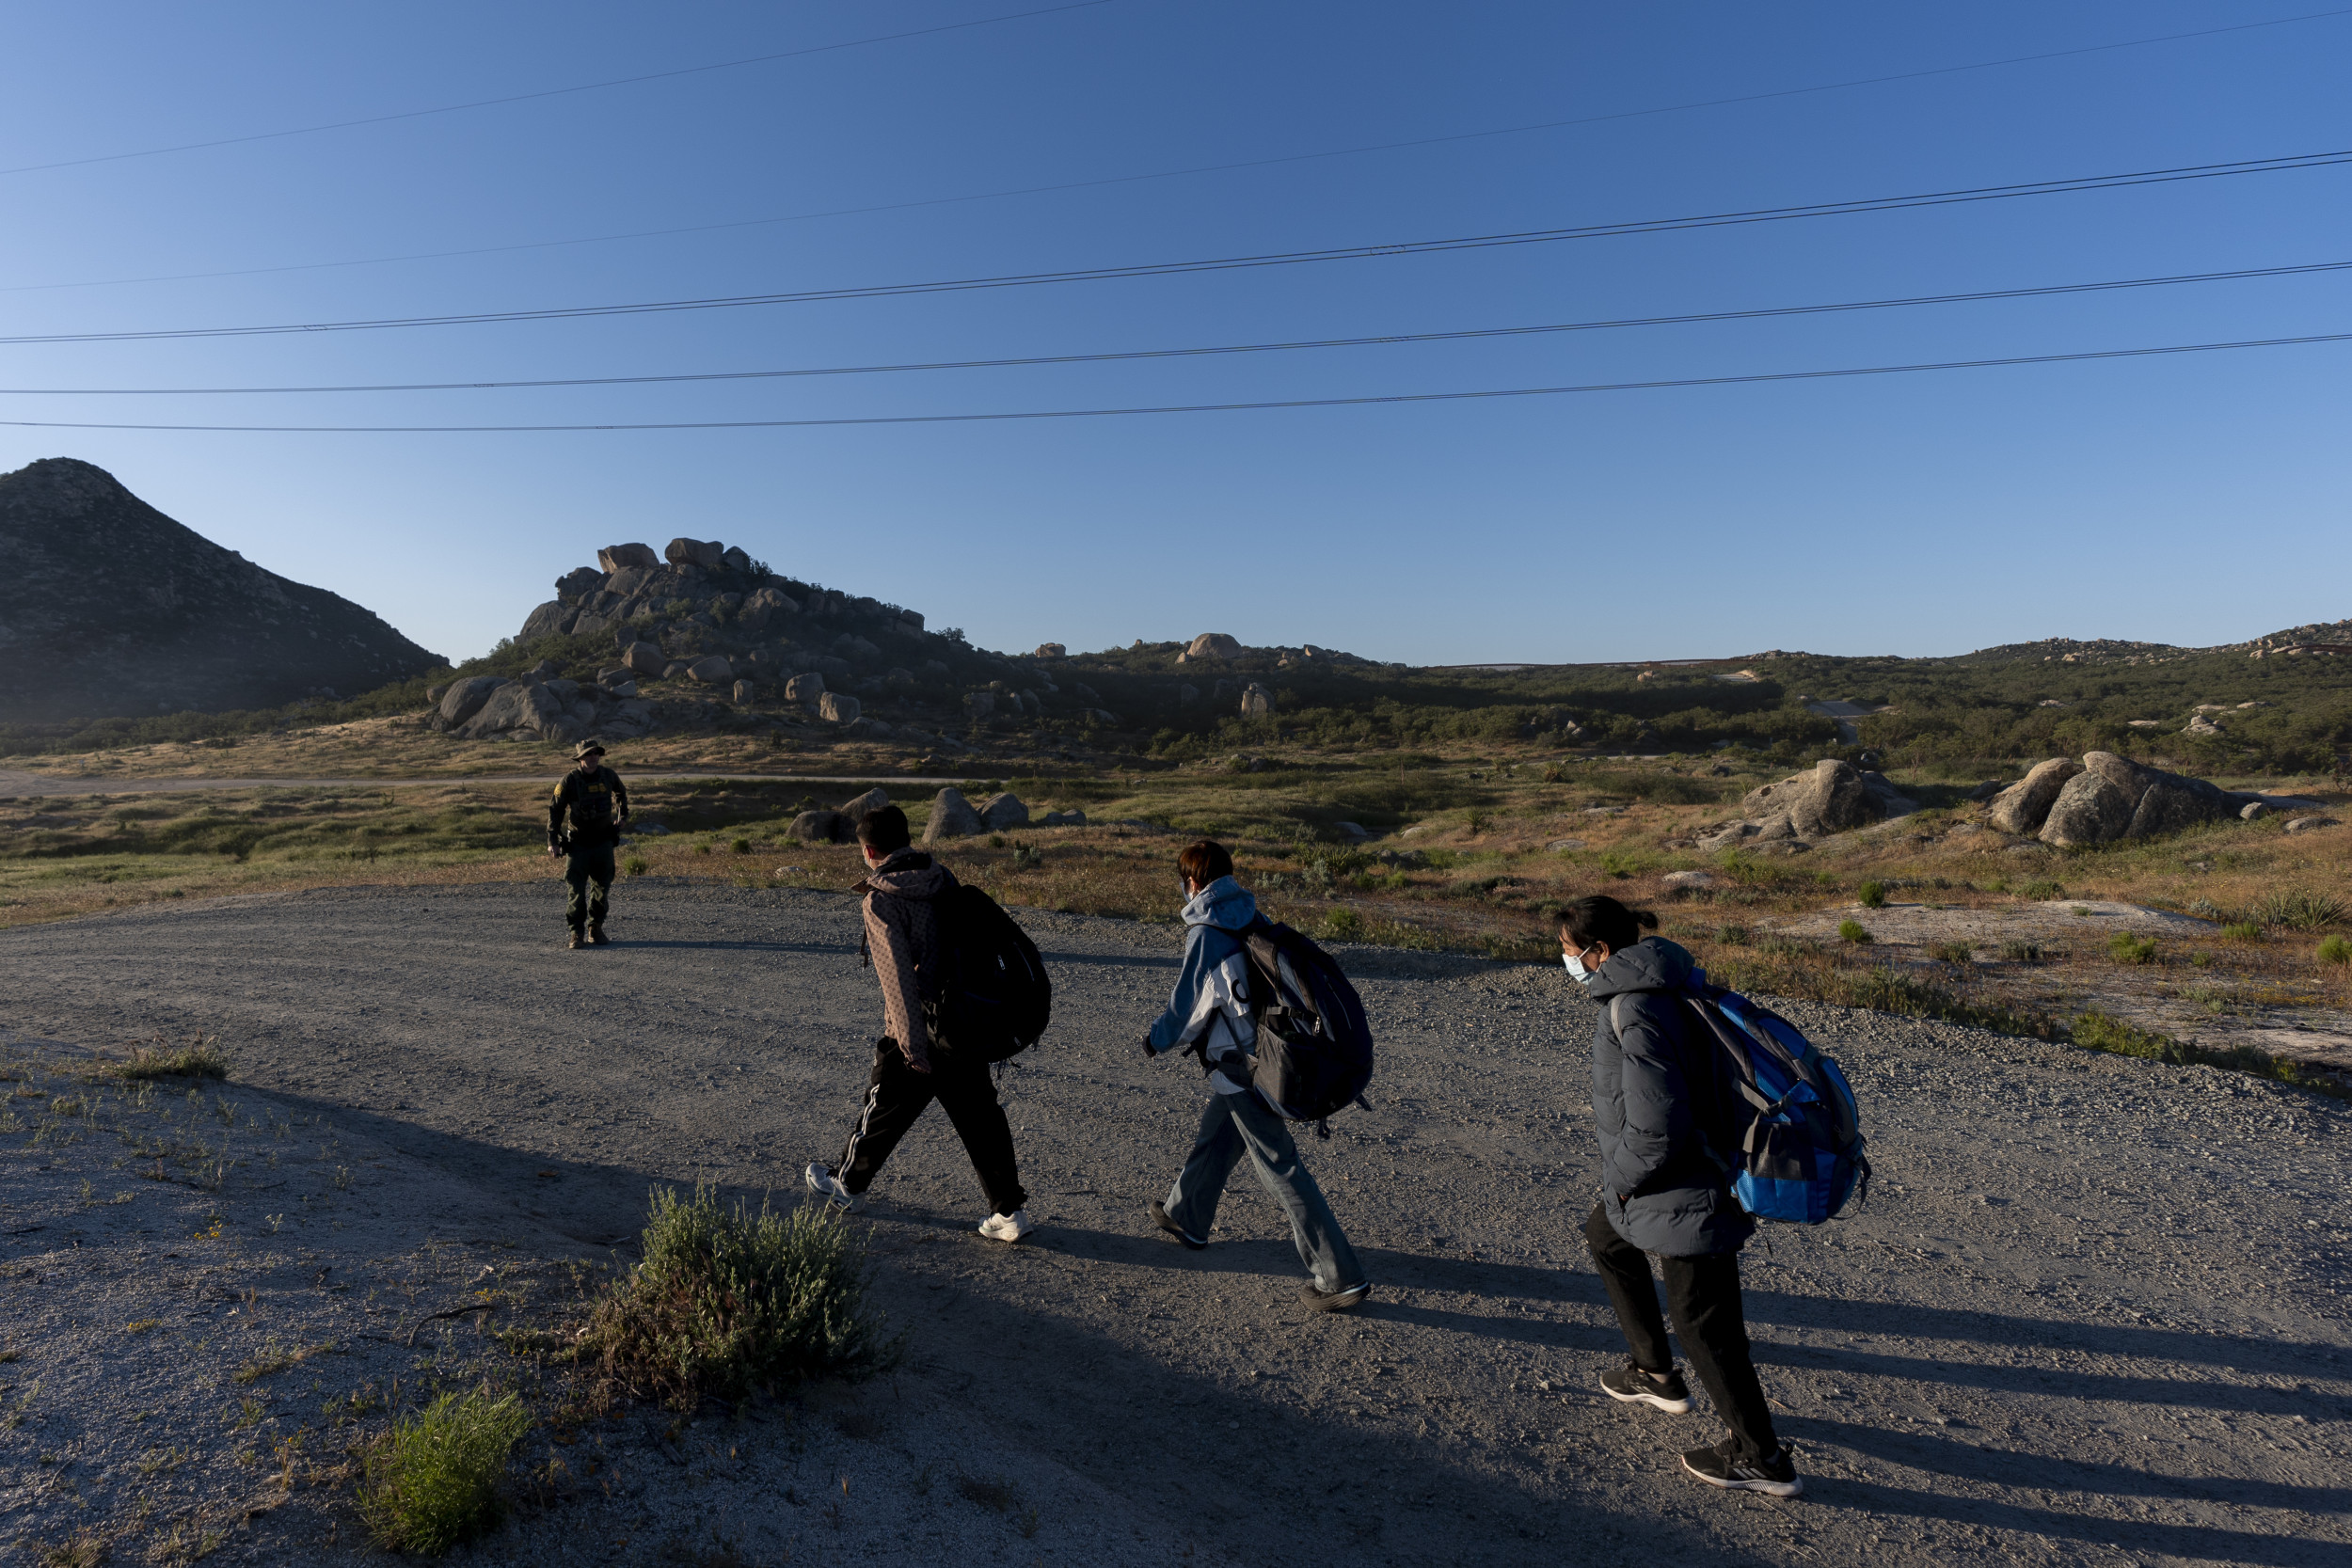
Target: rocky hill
114 610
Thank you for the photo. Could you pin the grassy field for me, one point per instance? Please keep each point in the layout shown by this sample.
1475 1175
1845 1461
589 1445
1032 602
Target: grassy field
1473 852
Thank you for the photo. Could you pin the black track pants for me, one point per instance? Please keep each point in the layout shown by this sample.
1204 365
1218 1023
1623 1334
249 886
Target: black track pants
1703 1293
895 1095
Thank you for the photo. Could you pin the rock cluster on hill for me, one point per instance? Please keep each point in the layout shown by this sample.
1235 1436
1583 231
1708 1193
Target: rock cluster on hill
1834 797
541 705
114 610
2104 796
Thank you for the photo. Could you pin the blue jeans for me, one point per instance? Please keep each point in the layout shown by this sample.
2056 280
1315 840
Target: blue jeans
1235 1124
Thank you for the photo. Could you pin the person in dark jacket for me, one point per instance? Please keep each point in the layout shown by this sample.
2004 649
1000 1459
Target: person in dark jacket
911 1070
1208 1016
592 796
1664 1192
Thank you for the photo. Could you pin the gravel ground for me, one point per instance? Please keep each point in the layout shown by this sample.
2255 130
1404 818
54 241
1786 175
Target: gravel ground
2092 1310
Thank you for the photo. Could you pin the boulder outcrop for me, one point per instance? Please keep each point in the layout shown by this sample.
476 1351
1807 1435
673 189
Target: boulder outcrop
1000 812
1213 644
1835 796
619 557
2022 806
2068 804
1256 701
839 708
705 554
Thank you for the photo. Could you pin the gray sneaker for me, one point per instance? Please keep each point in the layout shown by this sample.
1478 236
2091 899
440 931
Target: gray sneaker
1320 1300
1630 1385
1775 1475
822 1183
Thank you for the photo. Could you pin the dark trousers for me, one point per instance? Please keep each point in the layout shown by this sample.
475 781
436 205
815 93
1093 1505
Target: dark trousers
1703 1293
588 866
895 1095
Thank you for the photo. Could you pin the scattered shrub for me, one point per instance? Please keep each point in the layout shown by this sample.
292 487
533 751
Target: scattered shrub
2018 952
727 1302
1342 926
432 1480
2242 930
636 865
702 847
1732 936
1850 930
1874 895
2042 890
2302 909
199 1058
2335 950
742 847
2127 948
1952 953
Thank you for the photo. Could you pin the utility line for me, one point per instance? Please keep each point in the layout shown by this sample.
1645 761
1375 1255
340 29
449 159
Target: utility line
1382 341
1161 174
1164 269
1208 407
595 86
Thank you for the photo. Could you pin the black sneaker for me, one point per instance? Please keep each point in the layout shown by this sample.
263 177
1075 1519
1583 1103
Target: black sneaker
1775 1475
1630 1385
1159 1217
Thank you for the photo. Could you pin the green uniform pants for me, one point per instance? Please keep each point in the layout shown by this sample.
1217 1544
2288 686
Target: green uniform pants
589 865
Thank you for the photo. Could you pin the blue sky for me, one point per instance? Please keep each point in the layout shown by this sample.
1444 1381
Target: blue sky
2199 498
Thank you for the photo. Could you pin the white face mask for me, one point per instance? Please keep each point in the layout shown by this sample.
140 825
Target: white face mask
1574 964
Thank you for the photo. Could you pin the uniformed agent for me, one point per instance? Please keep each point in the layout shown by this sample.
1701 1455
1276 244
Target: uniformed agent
597 803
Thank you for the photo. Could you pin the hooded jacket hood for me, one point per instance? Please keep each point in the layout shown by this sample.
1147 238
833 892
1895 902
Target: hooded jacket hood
908 874
1652 963
1224 904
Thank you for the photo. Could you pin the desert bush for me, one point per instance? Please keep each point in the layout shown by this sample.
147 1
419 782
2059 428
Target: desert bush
2335 950
2126 949
1732 936
636 865
728 1302
2042 890
1952 953
432 1480
1850 930
741 846
1342 926
2018 952
199 1058
1873 895
2242 930
2301 910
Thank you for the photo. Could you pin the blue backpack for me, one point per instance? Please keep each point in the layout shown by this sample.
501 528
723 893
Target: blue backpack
1788 1132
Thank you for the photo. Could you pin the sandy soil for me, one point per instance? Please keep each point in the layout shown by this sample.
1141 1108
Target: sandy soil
2092 1310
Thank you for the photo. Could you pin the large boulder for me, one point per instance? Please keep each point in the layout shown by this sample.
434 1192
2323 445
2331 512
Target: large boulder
952 816
1051 650
839 707
1834 797
647 659
873 799
619 557
2023 805
2171 805
745 691
1001 812
549 619
578 584
2130 777
515 709
2090 809
712 669
736 558
464 699
805 689
1256 701
819 826
1213 644
709 554
979 704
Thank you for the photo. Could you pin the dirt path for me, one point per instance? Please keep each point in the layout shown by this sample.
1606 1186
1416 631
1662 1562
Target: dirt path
2093 1311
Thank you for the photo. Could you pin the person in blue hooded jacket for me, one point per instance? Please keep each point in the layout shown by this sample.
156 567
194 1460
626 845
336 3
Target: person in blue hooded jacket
1663 1193
1209 1016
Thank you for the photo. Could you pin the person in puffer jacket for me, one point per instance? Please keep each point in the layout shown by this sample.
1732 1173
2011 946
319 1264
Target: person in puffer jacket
1663 1193
1209 1016
903 940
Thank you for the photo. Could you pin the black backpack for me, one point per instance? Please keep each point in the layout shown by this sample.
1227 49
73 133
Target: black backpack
994 998
1315 1049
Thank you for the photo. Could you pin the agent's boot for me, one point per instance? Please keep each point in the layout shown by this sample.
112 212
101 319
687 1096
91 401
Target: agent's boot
596 935
577 941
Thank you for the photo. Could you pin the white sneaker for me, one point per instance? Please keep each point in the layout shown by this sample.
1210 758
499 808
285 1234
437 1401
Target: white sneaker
821 1182
1006 1228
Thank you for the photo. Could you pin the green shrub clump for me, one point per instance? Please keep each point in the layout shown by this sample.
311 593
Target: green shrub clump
432 1480
1850 930
728 1302
2242 930
2042 890
1343 925
636 865
2126 949
2301 911
2019 952
1874 895
1952 953
199 1058
2335 950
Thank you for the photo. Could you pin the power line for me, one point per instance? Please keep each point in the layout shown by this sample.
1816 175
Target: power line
1381 341
561 92
1159 174
1207 407
1164 269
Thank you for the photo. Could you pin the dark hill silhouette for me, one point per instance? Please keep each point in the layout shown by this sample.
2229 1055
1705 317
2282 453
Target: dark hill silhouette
113 610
